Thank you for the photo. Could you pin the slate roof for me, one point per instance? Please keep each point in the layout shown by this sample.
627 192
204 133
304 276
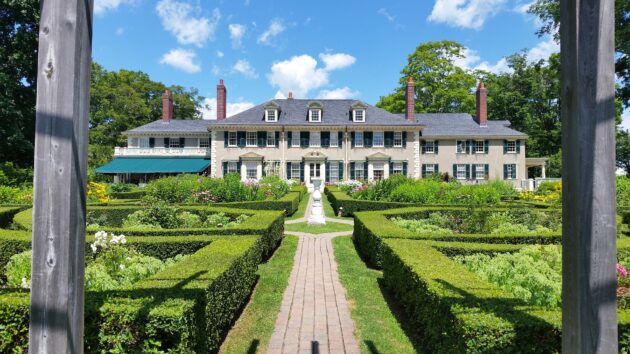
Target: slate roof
174 126
334 112
462 124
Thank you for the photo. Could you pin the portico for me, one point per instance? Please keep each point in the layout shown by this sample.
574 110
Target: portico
314 168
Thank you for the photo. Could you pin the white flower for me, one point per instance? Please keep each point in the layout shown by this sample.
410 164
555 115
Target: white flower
94 248
25 284
122 267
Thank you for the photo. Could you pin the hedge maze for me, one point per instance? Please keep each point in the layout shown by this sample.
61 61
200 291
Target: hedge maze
454 310
186 308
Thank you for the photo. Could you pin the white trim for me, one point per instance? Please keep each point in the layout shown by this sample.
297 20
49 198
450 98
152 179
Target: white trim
382 136
247 134
310 115
273 135
401 140
275 113
426 147
336 135
235 139
354 115
356 139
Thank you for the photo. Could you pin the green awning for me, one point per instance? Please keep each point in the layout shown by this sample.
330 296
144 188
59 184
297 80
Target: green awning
154 165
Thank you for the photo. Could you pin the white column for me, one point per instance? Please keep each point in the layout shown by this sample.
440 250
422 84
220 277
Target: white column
386 170
370 171
322 169
259 170
307 174
544 172
243 171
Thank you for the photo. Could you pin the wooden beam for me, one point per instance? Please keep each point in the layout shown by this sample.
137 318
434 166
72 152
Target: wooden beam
589 310
63 84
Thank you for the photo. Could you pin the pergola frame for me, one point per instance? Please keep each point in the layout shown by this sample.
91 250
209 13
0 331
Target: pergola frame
57 295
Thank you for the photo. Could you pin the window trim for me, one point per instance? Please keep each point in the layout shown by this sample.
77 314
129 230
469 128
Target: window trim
231 164
354 115
296 170
426 147
230 133
381 168
401 139
295 139
315 139
275 114
513 142
463 144
143 142
333 167
359 167
509 175
310 115
477 166
272 135
426 168
396 170
247 137
381 134
172 140
457 170
357 140
204 139
335 136
483 147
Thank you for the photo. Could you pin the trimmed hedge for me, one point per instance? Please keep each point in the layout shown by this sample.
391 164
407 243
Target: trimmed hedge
137 194
185 308
7 214
288 203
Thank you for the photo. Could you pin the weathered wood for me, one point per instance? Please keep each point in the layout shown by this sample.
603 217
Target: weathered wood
589 312
65 40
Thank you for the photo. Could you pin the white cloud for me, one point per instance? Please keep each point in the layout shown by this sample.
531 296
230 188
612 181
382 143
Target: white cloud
120 31
220 54
177 18
243 67
102 6
301 74
337 61
216 71
543 50
337 94
275 28
181 59
472 61
232 108
237 32
465 13
383 12
625 119
499 67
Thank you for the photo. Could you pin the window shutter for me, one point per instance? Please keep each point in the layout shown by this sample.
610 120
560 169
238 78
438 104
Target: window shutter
182 142
352 139
505 143
436 146
304 139
289 170
167 142
486 146
365 170
436 168
404 138
389 139
241 138
454 171
367 139
151 142
225 164
505 176
487 171
468 146
277 139
238 168
340 139
424 170
341 170
404 168
289 138
352 175
262 137
391 168
424 147
325 142
518 146
514 171
467 171
327 171
301 171
225 139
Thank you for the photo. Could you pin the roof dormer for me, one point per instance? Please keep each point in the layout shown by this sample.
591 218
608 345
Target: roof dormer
315 112
272 112
359 110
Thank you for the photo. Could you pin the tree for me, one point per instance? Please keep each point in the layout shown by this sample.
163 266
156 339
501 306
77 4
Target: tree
623 150
19 26
441 86
548 11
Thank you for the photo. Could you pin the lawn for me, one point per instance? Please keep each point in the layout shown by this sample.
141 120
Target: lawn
253 329
378 328
301 209
318 229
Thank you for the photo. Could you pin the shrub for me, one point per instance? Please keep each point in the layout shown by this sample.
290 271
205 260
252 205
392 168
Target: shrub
623 191
121 187
97 192
424 227
161 216
16 195
18 270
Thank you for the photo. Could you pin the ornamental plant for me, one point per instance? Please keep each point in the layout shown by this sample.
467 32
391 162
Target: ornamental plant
97 192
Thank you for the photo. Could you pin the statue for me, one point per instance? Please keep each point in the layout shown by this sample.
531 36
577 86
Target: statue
317 210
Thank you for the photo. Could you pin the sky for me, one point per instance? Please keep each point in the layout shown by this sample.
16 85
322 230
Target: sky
263 49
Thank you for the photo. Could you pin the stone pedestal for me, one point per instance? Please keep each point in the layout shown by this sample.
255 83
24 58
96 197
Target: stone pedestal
317 210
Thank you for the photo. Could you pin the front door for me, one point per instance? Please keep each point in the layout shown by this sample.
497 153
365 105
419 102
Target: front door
316 170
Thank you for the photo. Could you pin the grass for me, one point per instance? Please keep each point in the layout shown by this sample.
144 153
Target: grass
301 209
317 229
378 327
253 329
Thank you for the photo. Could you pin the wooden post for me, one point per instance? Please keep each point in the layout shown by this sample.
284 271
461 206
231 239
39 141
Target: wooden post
589 311
63 83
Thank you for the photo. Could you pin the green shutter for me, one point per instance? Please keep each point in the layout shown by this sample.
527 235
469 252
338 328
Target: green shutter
505 146
404 139
436 168
518 146
327 171
325 139
352 175
225 168
340 139
167 142
436 146
225 139
302 171
241 139
424 146
389 139
467 171
454 170
288 170
277 140
304 139
514 171
424 170
352 139
367 139
182 142
365 170
391 168
486 146
151 142
468 146
262 139
487 170
341 170
505 176
404 168
238 167
289 138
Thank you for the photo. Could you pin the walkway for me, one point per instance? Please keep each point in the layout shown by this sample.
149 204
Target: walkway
314 316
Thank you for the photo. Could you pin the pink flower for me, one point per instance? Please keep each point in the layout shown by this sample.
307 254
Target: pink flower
621 271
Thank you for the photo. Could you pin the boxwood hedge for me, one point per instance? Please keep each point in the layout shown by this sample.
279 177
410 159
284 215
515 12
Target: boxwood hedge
7 214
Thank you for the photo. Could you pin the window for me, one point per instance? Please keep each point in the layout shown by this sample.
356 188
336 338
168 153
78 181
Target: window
378 139
334 139
204 142
509 171
397 169
359 172
359 115
429 169
295 139
511 147
133 142
379 170
252 139
480 147
358 139
334 172
232 167
398 141
315 139
429 147
460 172
271 139
315 115
252 171
144 142
272 168
295 170
271 115
232 140
480 171
461 147
173 143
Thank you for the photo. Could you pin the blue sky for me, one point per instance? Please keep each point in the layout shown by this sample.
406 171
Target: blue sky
336 49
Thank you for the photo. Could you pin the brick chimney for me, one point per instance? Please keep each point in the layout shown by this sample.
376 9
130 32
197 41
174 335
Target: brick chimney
167 106
482 105
410 100
221 101
290 95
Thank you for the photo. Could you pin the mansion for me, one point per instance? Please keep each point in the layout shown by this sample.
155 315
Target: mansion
332 140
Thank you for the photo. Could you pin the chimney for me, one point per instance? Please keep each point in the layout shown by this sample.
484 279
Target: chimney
167 106
290 95
410 100
221 101
482 105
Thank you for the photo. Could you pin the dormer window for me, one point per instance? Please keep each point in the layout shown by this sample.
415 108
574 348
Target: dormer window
271 115
358 112
315 115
